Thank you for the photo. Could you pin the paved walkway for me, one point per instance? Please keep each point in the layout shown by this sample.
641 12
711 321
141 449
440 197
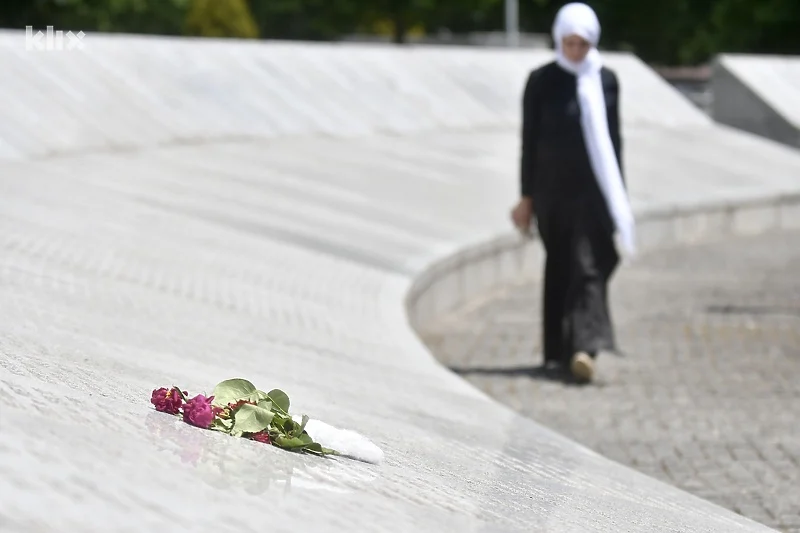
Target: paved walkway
707 396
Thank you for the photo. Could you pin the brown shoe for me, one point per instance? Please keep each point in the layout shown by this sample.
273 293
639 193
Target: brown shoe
582 367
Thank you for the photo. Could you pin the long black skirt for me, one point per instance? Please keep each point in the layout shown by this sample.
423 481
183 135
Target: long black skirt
580 259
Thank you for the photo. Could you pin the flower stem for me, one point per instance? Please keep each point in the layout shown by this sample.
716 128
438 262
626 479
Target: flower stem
183 396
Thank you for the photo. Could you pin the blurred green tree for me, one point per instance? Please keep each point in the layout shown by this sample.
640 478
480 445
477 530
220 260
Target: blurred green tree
668 32
403 16
755 26
20 13
220 18
306 19
128 16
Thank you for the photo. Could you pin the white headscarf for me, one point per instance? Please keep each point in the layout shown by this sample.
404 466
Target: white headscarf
579 19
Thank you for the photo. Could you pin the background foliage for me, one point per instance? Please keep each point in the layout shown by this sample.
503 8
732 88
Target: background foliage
664 32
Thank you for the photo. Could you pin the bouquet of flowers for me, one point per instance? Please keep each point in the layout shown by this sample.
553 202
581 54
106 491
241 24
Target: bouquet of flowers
238 408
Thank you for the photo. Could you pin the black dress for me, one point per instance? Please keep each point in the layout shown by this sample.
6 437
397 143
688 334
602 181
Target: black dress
572 216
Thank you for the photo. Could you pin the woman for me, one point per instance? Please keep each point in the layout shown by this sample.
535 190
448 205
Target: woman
572 181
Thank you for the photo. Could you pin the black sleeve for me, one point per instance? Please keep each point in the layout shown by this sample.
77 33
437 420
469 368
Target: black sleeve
614 126
530 132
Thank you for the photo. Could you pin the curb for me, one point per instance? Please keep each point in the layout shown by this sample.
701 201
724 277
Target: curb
449 283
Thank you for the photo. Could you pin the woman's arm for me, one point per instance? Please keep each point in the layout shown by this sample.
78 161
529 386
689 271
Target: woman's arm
530 133
614 122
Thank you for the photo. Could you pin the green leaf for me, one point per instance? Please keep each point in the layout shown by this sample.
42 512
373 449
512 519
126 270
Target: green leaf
262 395
227 422
251 419
289 427
233 390
265 404
222 424
317 449
278 420
279 399
290 443
302 427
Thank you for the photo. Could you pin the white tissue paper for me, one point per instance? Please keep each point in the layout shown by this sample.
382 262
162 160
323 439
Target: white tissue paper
348 443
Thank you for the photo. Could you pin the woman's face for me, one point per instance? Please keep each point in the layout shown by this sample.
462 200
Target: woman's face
575 48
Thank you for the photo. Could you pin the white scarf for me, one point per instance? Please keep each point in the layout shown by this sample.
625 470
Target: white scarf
579 19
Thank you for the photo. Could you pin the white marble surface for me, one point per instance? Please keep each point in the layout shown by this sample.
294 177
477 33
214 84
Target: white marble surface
285 259
776 79
125 91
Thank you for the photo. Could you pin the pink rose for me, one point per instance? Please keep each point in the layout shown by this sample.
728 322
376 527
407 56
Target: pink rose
167 401
198 411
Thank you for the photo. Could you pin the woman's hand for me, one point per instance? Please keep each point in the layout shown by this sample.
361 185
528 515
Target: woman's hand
522 215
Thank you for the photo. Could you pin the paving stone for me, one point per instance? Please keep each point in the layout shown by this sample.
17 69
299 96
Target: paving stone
707 394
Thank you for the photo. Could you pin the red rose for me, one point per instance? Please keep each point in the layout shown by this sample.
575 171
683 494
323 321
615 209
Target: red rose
198 411
167 400
262 437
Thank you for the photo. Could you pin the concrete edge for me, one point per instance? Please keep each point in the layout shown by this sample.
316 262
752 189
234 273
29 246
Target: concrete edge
739 104
453 281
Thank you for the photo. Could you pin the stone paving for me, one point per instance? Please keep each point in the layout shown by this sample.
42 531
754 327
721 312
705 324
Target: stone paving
706 393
